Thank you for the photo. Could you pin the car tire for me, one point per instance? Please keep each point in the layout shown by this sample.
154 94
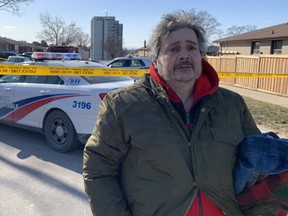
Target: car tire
60 132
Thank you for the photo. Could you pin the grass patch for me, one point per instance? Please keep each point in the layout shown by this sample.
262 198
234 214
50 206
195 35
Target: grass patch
273 117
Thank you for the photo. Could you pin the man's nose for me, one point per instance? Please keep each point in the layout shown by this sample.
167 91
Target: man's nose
184 54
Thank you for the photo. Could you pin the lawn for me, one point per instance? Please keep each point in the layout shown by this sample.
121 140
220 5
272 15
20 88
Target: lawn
270 116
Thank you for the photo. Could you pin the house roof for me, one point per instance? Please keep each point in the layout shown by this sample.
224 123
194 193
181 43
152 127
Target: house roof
4 40
272 32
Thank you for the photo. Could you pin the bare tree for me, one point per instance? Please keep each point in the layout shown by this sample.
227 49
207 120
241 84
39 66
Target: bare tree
42 43
208 22
70 34
235 30
82 39
111 46
13 6
55 31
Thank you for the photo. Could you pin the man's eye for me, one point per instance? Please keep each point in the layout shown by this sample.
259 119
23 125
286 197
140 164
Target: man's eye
174 49
192 48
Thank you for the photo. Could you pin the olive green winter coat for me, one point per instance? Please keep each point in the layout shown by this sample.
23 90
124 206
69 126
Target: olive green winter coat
140 159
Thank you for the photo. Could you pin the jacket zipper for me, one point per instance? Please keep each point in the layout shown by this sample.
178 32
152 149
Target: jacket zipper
200 206
198 194
187 118
188 122
193 199
200 203
188 135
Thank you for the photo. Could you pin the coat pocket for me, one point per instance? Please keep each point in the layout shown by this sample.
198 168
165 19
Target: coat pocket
231 136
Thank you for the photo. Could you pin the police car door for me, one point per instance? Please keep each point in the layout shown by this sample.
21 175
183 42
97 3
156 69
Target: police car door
32 96
7 103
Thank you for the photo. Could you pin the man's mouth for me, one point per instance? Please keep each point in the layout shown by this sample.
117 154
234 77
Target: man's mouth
184 66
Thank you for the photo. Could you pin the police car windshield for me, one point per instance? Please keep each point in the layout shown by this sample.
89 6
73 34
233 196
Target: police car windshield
105 79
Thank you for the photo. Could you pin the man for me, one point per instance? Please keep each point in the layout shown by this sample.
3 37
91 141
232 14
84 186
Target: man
166 145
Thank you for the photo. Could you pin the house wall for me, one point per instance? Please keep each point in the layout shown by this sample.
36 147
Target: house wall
265 47
244 47
285 47
7 47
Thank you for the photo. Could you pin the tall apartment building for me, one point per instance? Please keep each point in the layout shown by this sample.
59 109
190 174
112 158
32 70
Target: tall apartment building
106 32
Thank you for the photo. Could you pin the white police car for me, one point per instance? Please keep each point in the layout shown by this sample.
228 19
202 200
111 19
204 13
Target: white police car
63 108
132 62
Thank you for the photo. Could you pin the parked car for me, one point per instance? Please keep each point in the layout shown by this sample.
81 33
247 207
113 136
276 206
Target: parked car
5 55
63 108
129 62
132 62
16 59
27 54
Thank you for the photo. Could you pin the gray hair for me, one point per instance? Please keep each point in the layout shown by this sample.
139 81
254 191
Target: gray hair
174 21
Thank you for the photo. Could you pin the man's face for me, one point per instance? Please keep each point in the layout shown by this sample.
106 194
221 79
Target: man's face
179 59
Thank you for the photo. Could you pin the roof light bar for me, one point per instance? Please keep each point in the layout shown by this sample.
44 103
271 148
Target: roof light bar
55 56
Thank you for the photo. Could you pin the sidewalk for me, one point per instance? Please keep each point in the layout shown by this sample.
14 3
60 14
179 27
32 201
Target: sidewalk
259 95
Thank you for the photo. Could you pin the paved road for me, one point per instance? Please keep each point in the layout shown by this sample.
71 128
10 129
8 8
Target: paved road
37 181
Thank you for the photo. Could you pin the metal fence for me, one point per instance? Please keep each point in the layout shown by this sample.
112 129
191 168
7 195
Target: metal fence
263 64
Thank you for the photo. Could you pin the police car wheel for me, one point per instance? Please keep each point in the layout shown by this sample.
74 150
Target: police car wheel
60 133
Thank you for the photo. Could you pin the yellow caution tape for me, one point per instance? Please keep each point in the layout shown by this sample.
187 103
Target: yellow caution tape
67 71
12 69
249 75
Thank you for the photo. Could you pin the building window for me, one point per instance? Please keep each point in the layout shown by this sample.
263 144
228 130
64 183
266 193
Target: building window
276 47
255 49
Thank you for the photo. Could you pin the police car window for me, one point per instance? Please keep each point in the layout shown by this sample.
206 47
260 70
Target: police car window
44 79
54 80
127 63
105 79
137 63
10 79
35 79
117 64
122 63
